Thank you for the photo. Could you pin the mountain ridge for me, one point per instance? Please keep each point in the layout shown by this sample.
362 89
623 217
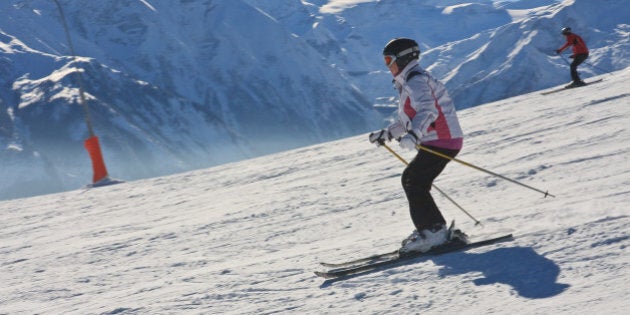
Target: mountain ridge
176 86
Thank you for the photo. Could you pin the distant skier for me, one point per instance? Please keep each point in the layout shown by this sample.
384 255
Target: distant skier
580 53
426 115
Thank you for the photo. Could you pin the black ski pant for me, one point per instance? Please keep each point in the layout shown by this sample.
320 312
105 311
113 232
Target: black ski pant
577 60
417 180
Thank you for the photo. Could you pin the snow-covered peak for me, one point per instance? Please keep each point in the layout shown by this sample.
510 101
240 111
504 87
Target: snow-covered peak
495 48
172 87
178 85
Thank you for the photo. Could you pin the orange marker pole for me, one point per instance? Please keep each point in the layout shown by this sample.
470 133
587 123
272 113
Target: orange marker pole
98 164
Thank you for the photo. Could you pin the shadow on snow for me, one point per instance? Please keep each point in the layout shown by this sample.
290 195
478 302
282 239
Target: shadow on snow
530 274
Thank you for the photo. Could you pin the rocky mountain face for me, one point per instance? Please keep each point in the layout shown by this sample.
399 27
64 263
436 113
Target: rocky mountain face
171 86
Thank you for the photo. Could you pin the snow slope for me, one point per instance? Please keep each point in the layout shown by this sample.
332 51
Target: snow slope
244 238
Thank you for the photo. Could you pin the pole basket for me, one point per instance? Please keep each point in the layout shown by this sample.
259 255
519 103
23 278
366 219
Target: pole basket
98 165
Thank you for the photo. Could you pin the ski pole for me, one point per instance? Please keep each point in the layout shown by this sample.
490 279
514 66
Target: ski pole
588 63
565 60
598 68
423 148
436 188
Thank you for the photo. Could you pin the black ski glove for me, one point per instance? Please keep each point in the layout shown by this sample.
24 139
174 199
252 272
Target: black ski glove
379 137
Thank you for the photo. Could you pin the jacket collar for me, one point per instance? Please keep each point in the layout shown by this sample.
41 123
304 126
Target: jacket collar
400 78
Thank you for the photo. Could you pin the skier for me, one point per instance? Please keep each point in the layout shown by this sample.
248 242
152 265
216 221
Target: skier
580 53
426 115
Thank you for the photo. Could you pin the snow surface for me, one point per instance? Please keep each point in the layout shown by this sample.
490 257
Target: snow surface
245 237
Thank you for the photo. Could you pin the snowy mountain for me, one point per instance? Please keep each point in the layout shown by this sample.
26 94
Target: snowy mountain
483 50
245 237
172 86
180 85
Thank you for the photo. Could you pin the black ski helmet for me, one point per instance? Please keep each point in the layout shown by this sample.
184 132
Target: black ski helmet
566 31
404 50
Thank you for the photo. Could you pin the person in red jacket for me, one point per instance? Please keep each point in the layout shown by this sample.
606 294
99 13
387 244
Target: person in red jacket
580 53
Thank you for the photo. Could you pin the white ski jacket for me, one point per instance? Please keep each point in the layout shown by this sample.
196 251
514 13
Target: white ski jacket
426 108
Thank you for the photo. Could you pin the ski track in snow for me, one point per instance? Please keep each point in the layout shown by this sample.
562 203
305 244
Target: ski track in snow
245 238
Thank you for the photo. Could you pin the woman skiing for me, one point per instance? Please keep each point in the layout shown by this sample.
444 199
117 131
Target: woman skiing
426 116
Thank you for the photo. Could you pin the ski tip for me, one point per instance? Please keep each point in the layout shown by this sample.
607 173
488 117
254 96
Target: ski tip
330 265
324 275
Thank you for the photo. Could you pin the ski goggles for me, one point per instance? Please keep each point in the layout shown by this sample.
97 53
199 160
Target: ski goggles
390 59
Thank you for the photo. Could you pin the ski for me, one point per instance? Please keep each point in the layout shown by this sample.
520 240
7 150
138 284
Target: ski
393 259
566 88
375 258
362 261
